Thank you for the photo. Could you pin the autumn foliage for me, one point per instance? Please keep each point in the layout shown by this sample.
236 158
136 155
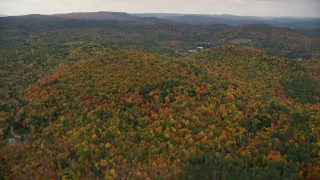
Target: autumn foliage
222 113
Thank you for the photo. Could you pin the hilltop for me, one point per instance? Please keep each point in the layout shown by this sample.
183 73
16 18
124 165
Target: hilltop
199 116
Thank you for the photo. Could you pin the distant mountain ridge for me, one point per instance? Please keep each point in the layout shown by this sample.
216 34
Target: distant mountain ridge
114 16
236 20
80 16
120 16
152 18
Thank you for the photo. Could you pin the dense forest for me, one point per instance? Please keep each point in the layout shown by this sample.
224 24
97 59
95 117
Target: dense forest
147 98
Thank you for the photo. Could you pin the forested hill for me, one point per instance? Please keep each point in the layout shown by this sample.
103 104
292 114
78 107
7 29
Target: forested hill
112 95
227 112
121 30
283 41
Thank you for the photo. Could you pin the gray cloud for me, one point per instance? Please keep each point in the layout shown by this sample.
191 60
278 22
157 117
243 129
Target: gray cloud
237 7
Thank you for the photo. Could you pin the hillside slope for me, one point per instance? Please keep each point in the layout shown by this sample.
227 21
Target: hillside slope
132 114
122 30
275 40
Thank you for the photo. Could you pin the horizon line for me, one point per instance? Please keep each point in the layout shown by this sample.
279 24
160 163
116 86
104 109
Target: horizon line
173 13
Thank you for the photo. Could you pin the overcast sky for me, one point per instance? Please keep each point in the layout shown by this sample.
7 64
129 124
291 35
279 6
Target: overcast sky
301 8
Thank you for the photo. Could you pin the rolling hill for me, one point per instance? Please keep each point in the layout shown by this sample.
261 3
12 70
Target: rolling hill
154 34
114 95
226 108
